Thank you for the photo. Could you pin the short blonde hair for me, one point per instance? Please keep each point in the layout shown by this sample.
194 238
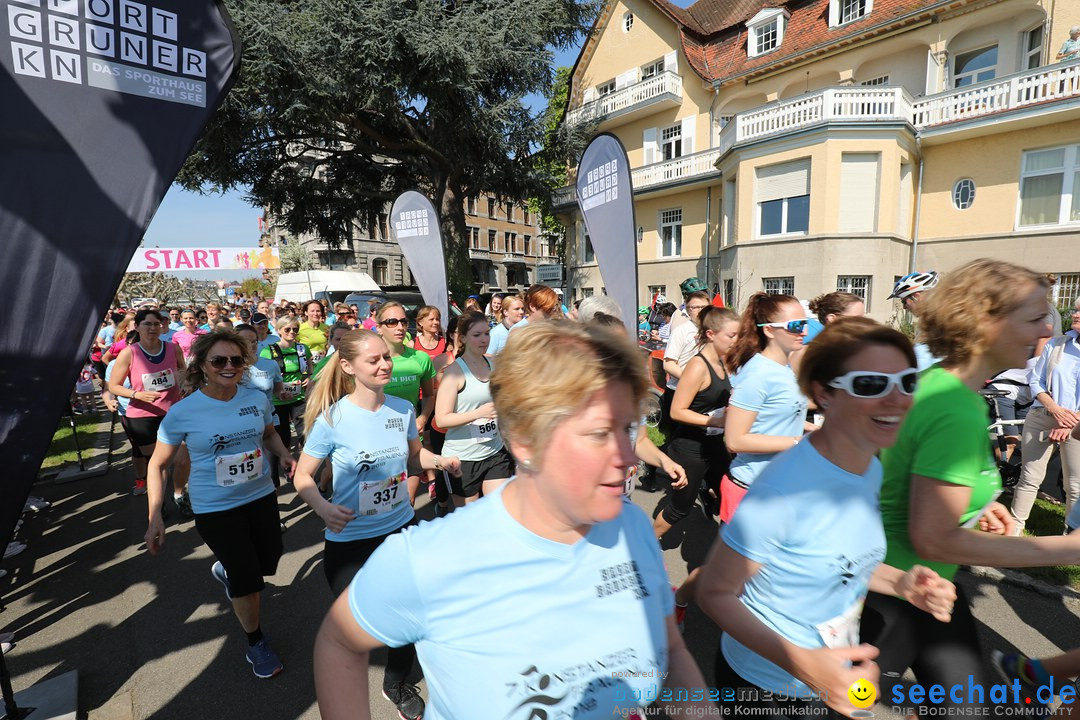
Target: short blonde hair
953 316
286 323
549 370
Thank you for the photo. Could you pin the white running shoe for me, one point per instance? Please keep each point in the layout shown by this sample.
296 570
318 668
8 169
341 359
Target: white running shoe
13 549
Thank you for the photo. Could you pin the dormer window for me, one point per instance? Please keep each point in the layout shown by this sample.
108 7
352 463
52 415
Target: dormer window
766 31
842 12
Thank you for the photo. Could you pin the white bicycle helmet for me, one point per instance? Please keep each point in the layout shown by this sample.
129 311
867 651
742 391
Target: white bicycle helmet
912 283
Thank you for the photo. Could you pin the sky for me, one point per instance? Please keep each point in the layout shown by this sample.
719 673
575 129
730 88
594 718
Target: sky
187 219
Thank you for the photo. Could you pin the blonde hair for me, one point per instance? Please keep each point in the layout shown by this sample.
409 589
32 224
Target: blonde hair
334 383
194 377
953 316
549 370
423 313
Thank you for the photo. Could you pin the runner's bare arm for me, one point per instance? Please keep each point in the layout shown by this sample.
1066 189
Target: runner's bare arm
342 648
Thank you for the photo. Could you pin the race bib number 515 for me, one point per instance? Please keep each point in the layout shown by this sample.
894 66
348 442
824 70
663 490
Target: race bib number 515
232 470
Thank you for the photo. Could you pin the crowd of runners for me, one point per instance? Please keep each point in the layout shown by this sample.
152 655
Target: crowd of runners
850 472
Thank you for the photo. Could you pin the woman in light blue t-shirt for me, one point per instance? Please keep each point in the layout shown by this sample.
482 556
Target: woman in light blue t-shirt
767 412
788 579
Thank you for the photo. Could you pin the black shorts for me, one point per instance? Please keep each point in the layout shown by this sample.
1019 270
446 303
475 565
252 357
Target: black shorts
135 451
143 430
247 541
342 560
475 472
734 689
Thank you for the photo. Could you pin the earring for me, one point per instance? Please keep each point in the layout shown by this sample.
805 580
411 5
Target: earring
525 463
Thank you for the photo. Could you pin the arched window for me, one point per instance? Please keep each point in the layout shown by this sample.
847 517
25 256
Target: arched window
380 271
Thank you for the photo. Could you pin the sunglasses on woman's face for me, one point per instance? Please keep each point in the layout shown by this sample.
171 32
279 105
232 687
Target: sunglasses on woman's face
865 384
792 326
394 322
219 362
288 330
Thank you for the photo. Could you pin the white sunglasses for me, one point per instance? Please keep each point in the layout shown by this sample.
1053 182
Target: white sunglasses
866 384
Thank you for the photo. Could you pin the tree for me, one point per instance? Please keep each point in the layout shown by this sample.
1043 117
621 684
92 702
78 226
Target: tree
559 140
295 257
341 105
164 287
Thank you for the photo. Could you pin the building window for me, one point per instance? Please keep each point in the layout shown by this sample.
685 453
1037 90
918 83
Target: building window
586 292
491 240
470 205
657 290
783 198
779 285
606 88
880 80
525 241
652 69
765 31
380 271
491 207
525 215
1050 187
856 285
963 193
845 11
671 139
1067 290
627 21
975 66
384 229
671 233
510 242
587 254
510 213
1033 48
729 292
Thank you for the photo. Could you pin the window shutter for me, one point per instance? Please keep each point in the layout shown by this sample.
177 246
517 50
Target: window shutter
590 95
649 145
688 124
858 192
780 181
671 62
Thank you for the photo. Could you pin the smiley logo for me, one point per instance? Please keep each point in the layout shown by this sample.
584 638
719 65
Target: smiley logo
862 694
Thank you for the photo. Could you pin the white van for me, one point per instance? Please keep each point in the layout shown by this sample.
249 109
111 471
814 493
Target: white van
332 285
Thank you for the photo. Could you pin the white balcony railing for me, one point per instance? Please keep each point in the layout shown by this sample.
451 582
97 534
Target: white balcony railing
646 91
888 104
683 168
1031 87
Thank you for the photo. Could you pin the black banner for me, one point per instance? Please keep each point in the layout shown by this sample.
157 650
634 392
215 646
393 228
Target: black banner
100 103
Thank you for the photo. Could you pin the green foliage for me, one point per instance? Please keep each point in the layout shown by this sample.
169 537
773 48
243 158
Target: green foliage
1048 519
295 257
251 286
342 105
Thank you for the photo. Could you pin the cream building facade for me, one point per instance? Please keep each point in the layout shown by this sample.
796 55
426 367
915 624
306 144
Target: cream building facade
820 145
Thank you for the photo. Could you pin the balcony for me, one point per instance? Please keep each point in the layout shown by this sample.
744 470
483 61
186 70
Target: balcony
479 254
677 171
659 91
513 256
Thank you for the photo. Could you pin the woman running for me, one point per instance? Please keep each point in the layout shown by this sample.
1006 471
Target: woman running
264 374
513 308
414 373
152 368
767 412
370 437
191 331
463 407
313 332
495 315
440 348
698 411
580 625
228 430
787 581
940 480
294 362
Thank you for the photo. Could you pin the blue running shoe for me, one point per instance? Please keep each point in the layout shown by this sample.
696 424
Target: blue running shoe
265 663
218 571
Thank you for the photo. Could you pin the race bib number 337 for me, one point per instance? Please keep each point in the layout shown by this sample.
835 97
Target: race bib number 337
383 496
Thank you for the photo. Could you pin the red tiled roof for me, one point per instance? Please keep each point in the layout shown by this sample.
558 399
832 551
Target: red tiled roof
714 40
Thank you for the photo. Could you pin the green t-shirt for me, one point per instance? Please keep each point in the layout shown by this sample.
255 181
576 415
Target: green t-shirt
411 368
943 437
295 369
313 337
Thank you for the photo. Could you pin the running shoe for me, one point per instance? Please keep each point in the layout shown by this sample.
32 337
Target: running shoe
3 573
5 646
1027 671
431 491
265 663
13 549
442 510
183 506
35 504
140 487
218 571
410 706
680 617
7 637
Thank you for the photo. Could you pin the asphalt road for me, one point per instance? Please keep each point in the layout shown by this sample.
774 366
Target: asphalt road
153 637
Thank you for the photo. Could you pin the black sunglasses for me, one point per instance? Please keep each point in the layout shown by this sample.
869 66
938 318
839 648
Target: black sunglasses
221 361
394 322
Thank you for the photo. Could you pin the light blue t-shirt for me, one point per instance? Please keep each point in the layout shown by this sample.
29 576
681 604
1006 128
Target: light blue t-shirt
176 326
107 335
923 357
370 453
769 389
813 327
262 376
121 401
263 344
520 323
229 465
816 530
573 630
499 334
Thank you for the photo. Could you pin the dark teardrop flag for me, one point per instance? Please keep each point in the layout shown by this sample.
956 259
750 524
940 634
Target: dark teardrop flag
100 103
415 225
606 199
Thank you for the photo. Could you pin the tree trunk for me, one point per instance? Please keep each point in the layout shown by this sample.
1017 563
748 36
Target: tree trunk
459 276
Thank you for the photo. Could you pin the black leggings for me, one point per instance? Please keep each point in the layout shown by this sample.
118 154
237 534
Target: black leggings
938 653
705 461
341 562
734 689
438 439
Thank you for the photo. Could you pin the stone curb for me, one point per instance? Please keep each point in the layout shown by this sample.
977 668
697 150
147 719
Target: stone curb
1026 582
103 440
